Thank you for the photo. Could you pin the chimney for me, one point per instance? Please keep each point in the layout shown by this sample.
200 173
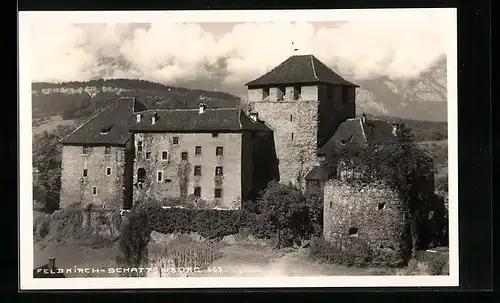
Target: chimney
153 119
363 118
52 263
202 107
139 116
254 117
394 128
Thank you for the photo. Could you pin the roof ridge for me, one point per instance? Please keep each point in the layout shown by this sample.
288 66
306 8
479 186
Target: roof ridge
92 118
184 109
314 70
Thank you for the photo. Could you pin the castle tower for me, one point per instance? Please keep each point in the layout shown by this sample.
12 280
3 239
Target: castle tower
303 102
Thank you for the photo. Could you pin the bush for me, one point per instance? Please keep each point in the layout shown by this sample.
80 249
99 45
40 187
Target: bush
134 239
439 265
354 253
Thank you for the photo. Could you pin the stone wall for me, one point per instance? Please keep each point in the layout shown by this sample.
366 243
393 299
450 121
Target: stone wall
295 127
372 213
77 189
178 178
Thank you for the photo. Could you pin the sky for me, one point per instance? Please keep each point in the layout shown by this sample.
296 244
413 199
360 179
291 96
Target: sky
226 55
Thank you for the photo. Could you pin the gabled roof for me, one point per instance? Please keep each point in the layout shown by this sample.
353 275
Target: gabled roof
321 173
300 69
114 120
190 120
355 131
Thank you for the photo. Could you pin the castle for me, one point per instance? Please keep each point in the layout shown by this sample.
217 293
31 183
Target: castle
130 151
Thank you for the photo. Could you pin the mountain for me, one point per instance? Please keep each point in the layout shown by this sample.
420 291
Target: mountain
76 99
421 98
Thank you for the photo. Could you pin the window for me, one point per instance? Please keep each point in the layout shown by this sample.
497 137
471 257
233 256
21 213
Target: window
218 193
139 146
85 171
265 92
107 150
94 191
148 155
175 140
219 151
85 150
108 171
159 176
292 136
197 150
184 156
215 134
353 231
197 192
291 118
197 170
141 175
164 155
218 171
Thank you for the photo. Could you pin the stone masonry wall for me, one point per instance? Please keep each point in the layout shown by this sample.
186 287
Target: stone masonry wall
178 176
373 213
294 124
77 189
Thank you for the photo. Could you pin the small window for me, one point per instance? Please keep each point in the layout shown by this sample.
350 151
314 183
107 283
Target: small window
292 136
353 231
215 134
94 191
107 150
148 155
291 118
197 150
108 171
265 92
85 150
85 171
184 156
197 192
197 170
218 171
175 140
159 176
164 155
218 193
139 146
219 151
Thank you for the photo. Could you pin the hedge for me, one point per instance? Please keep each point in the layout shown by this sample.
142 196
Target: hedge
209 223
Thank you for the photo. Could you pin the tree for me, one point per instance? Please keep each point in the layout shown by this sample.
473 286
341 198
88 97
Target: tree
47 165
284 206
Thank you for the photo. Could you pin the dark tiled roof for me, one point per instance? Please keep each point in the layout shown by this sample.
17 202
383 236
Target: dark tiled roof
354 131
190 120
320 173
300 69
116 119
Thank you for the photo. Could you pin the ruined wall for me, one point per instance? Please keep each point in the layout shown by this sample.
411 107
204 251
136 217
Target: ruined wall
376 214
294 124
178 175
77 189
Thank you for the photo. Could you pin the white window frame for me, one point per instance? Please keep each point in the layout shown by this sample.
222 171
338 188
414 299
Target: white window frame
159 180
161 155
110 171
94 188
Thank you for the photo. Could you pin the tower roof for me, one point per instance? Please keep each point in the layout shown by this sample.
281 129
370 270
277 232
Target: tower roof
300 69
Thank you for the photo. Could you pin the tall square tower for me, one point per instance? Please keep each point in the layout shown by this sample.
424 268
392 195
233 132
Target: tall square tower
303 102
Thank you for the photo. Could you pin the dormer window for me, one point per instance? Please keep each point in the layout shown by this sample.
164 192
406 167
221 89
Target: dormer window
106 129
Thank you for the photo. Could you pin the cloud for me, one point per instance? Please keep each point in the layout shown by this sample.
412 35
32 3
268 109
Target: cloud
399 47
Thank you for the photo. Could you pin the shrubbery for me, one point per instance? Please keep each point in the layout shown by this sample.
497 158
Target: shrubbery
354 253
